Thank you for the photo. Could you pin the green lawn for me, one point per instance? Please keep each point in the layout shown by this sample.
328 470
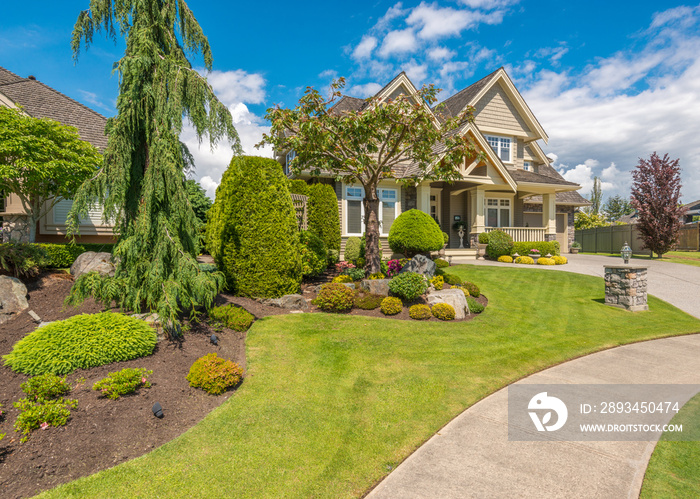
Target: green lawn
674 468
332 403
684 257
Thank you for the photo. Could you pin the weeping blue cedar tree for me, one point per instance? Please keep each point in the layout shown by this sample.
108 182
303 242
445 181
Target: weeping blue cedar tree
141 184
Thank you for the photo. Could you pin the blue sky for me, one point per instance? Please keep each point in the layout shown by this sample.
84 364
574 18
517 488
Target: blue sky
609 81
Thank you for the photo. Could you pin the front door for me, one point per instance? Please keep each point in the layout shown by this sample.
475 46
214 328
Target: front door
435 205
563 232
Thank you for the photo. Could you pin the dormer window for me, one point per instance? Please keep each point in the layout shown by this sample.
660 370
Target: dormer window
502 147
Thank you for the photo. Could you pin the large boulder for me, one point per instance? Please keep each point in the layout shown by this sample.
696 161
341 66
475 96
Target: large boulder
454 297
91 261
288 302
13 297
376 286
420 264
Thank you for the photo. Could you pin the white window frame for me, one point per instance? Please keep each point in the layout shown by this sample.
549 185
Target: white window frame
528 166
381 193
498 146
354 196
500 204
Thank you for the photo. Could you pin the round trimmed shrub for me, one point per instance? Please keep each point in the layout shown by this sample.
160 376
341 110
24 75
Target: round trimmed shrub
314 254
419 312
545 261
472 288
438 282
342 278
505 259
484 238
474 306
252 230
391 305
232 316
560 260
81 342
499 244
443 311
323 218
452 280
525 260
441 264
408 285
335 297
368 301
352 249
415 232
213 374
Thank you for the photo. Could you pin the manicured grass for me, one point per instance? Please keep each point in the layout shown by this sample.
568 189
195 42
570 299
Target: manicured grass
684 257
332 403
674 468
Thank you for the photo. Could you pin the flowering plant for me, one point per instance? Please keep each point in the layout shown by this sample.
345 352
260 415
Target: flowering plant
535 251
340 266
123 382
393 267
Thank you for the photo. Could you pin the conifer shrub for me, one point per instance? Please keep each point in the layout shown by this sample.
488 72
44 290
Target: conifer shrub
123 382
408 285
81 342
252 230
298 186
438 282
335 297
342 278
232 316
323 217
391 305
368 301
352 249
452 280
314 254
419 312
474 306
441 263
472 288
443 311
415 232
214 374
499 244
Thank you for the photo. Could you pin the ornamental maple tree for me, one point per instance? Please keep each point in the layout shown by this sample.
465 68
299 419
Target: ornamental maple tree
656 193
368 145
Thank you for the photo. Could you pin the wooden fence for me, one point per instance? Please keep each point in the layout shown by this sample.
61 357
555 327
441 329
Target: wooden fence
611 239
300 203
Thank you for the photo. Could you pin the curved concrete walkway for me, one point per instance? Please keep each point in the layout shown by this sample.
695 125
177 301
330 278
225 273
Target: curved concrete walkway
472 457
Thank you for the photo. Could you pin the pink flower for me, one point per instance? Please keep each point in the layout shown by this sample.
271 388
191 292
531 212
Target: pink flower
143 380
44 425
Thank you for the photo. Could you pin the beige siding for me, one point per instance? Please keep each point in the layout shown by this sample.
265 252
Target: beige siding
529 154
518 212
496 110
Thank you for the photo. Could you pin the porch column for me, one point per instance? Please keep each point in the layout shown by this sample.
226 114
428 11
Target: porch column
423 197
549 216
477 210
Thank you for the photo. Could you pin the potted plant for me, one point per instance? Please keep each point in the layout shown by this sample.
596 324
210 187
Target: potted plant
575 247
482 244
535 253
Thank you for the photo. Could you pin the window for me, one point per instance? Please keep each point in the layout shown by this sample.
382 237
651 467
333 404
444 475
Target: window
290 156
61 209
528 166
498 212
356 210
387 198
501 145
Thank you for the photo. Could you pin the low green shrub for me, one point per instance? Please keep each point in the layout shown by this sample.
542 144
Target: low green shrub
576 245
452 279
419 312
544 247
438 282
443 311
545 261
352 249
408 285
355 274
61 255
342 278
232 316
505 259
484 238
333 256
525 260
81 342
42 414
314 254
391 305
123 382
472 288
560 260
213 374
22 259
208 267
360 262
441 264
368 301
45 386
499 244
474 306
445 238
384 267
376 276
335 297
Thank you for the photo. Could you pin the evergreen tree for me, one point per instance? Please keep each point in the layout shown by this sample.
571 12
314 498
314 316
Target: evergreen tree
617 207
141 186
198 200
596 197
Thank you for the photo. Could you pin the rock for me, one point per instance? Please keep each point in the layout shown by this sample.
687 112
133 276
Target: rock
153 320
35 317
376 286
288 302
421 264
91 261
13 297
350 285
454 297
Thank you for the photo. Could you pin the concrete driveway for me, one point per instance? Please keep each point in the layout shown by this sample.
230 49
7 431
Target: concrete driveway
675 283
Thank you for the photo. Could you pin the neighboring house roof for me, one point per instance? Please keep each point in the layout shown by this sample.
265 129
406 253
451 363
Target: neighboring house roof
628 219
41 101
693 208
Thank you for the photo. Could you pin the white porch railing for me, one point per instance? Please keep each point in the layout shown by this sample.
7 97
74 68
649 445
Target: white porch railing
521 234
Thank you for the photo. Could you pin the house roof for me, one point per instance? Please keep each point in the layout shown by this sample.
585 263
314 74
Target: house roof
538 178
572 198
693 207
347 103
453 105
41 101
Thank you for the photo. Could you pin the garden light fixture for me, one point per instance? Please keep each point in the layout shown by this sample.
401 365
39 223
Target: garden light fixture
626 253
157 410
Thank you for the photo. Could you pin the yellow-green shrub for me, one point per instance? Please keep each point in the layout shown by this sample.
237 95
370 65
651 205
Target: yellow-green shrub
526 260
443 311
232 316
377 275
213 374
342 278
505 259
560 260
545 261
335 297
419 312
464 290
391 305
438 282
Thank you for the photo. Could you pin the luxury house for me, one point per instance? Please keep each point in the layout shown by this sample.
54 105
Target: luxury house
41 101
514 189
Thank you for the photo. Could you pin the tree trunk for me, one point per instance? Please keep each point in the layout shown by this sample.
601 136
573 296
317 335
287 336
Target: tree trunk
371 203
32 228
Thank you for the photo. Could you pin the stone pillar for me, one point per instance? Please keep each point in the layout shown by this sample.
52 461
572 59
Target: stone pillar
423 197
626 287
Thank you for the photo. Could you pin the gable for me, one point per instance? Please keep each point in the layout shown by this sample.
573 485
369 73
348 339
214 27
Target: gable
496 110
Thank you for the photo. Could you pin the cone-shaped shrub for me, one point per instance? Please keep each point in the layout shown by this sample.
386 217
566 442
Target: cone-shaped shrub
415 232
324 220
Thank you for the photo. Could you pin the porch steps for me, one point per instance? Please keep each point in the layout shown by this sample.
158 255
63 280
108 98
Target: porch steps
463 253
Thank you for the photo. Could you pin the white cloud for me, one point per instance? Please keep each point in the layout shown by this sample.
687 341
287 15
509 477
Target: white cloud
365 90
392 13
488 4
209 185
584 174
398 42
440 53
236 86
417 73
553 54
437 22
365 47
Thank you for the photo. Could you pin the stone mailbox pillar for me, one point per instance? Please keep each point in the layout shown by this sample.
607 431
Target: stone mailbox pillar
626 287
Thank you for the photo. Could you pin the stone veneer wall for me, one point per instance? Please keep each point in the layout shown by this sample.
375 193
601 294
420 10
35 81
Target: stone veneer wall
15 228
626 287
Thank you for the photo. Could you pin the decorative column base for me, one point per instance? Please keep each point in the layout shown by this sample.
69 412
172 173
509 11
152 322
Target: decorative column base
626 287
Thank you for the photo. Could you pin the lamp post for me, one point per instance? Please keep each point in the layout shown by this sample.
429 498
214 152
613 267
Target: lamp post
626 253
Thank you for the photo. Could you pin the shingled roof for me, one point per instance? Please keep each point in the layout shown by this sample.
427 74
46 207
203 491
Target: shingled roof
41 101
452 106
